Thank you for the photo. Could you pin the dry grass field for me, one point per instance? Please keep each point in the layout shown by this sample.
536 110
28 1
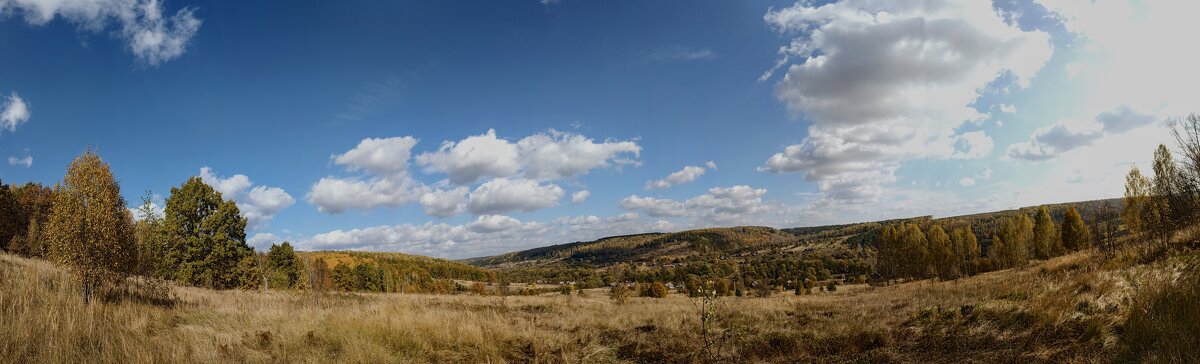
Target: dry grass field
1067 309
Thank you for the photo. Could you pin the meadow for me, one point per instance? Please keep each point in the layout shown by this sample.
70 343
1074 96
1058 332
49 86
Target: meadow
1072 308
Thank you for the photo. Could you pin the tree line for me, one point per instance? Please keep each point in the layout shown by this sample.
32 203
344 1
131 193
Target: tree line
83 224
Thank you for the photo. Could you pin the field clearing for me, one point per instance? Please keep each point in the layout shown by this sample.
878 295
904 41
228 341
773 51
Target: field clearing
1062 310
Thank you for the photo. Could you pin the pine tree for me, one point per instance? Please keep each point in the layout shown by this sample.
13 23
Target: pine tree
10 216
1075 234
90 230
283 266
1045 236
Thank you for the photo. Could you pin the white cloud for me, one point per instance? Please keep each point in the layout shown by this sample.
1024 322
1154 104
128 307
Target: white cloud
27 161
986 174
542 156
887 82
719 204
475 157
1132 53
657 207
152 37
971 145
1008 109
336 195
13 112
504 195
968 181
512 173
711 165
445 203
685 175
579 196
554 154
258 204
386 156
493 223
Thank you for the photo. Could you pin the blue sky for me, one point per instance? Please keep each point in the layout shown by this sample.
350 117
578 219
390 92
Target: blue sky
326 121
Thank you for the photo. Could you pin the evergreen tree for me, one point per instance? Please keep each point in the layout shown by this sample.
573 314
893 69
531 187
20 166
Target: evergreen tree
206 238
284 266
1075 234
90 230
10 216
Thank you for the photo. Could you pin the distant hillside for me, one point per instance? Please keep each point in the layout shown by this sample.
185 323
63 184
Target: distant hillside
751 241
400 265
640 247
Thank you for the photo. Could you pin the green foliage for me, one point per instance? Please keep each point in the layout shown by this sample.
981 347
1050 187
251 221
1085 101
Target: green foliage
90 229
283 267
10 218
206 238
361 278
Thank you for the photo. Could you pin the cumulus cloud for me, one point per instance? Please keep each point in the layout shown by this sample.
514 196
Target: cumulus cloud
493 223
685 175
388 156
504 195
717 205
657 207
13 112
27 161
387 184
511 173
886 82
579 196
554 154
1050 141
258 204
444 203
152 36
971 145
475 157
542 156
1123 119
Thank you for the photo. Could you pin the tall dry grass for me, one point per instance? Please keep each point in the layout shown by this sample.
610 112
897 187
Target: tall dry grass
1068 309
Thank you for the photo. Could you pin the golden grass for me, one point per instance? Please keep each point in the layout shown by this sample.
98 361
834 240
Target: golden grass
1063 310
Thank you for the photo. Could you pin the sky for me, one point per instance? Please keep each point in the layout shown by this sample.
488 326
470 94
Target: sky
470 128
